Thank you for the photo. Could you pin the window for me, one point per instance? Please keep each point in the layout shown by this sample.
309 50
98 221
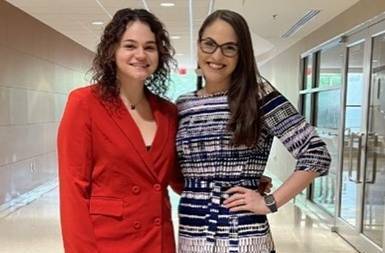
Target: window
321 98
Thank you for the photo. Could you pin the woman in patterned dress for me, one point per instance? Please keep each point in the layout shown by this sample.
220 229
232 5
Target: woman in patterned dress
224 139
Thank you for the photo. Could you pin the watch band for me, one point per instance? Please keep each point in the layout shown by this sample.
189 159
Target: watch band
270 202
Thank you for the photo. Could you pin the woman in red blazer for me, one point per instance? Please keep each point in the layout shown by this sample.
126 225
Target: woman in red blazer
116 145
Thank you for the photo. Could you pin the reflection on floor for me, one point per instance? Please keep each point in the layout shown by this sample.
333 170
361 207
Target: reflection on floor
35 228
295 231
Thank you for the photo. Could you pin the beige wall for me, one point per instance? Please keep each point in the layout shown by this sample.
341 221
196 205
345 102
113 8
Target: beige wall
38 66
284 70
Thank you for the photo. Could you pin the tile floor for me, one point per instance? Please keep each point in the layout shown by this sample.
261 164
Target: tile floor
35 229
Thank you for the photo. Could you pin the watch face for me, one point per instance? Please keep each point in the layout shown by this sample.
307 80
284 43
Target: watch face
270 203
269 199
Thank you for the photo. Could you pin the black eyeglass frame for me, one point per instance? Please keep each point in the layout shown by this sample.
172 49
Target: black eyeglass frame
220 46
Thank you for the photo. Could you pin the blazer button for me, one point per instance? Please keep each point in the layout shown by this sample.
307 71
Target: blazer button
157 187
135 189
157 221
137 225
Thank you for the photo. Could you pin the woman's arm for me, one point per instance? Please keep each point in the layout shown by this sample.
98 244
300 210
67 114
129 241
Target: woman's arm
75 168
176 179
243 199
300 138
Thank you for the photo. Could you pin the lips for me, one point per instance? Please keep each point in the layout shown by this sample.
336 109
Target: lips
215 66
140 65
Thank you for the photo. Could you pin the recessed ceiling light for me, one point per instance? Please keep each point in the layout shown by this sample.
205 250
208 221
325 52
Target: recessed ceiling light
167 4
175 37
98 23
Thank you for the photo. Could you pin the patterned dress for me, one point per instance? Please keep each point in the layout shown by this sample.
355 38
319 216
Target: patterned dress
211 165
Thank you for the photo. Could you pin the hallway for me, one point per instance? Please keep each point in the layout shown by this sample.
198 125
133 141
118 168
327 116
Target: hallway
35 228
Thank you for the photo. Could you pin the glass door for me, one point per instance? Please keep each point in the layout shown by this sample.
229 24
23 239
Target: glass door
360 214
374 193
353 134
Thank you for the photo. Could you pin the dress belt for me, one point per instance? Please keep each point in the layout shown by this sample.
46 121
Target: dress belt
217 189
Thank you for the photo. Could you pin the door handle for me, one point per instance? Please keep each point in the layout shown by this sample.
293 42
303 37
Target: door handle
374 166
357 178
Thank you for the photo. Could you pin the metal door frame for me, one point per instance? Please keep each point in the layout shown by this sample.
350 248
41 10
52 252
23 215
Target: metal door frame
355 234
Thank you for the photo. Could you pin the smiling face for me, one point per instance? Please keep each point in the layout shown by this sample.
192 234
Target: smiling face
137 54
216 67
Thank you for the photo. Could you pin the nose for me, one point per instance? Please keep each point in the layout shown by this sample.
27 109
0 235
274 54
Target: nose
217 54
140 53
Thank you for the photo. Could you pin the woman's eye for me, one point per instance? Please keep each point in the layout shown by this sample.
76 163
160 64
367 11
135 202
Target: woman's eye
231 48
150 48
209 44
129 46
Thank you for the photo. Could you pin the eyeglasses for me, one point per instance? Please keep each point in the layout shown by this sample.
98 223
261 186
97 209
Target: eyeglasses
209 46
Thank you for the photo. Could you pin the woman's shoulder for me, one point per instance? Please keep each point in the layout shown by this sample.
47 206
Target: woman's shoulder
83 90
167 103
266 89
185 97
83 93
269 95
164 103
187 101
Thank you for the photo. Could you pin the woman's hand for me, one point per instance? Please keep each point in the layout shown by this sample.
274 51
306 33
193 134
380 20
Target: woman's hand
244 199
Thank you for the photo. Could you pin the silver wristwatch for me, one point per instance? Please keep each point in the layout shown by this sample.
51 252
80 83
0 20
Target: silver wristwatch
270 202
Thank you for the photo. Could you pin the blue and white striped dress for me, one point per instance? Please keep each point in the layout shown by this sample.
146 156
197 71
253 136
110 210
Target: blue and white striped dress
211 165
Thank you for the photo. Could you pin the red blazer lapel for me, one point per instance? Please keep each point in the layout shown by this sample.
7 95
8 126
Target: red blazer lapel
123 120
126 124
162 121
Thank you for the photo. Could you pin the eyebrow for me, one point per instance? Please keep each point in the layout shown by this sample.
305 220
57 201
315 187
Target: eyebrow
230 42
134 41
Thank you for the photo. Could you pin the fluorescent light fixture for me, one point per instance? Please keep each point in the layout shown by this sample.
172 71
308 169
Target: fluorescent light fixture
175 37
301 23
167 4
98 23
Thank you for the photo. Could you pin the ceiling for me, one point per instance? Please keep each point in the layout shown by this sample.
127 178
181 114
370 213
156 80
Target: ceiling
268 20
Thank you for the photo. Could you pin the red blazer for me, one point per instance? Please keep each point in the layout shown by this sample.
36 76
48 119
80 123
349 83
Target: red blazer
113 192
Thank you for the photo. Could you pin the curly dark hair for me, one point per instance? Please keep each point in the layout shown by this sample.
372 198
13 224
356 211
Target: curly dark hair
104 67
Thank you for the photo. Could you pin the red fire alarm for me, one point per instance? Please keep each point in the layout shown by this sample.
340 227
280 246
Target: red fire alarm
182 71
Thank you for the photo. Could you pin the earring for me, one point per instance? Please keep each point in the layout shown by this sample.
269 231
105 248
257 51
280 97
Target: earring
198 71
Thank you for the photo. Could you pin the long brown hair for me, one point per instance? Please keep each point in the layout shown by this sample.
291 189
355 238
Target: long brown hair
243 95
104 66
